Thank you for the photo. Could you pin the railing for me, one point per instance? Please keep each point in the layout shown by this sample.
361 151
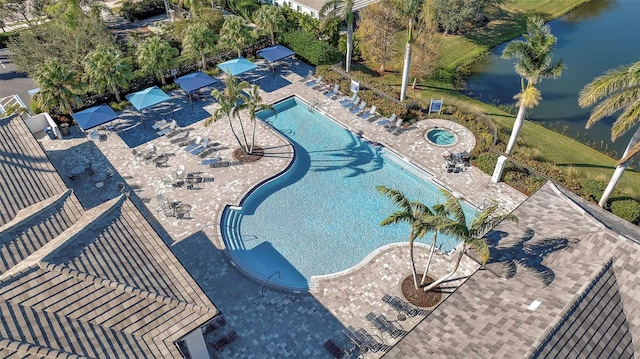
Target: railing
267 281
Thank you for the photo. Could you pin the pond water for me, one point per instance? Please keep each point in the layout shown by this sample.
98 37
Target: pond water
592 39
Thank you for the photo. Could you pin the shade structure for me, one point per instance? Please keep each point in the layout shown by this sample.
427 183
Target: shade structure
147 97
275 53
94 116
195 81
237 66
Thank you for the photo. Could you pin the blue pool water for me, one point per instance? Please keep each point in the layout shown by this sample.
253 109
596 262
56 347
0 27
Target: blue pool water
441 137
322 215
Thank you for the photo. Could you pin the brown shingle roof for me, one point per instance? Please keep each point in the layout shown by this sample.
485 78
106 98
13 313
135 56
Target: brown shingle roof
75 283
557 255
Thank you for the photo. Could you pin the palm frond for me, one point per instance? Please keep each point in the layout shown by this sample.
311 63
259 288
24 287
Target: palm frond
396 196
612 104
612 81
480 247
629 116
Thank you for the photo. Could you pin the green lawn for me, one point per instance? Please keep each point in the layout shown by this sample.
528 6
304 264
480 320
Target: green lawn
509 22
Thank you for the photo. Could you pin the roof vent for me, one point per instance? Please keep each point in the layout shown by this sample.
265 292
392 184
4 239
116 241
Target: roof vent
534 305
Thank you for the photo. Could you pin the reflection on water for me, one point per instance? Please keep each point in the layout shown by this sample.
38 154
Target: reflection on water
592 39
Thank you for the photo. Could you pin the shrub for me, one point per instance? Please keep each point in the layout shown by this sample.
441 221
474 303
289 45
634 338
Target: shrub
6 36
627 209
136 10
309 48
591 189
119 106
486 162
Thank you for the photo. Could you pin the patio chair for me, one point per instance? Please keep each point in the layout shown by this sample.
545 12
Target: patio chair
334 349
168 129
193 145
356 338
348 104
349 100
315 82
400 305
392 127
358 109
159 124
200 148
333 92
212 160
367 114
354 104
387 121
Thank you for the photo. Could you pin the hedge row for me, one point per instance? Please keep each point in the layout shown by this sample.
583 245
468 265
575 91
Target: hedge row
136 10
310 49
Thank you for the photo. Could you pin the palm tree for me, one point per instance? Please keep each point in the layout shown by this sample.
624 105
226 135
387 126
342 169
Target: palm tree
107 68
343 10
235 34
155 56
453 222
270 19
534 65
56 82
199 41
228 99
410 11
253 104
413 213
616 90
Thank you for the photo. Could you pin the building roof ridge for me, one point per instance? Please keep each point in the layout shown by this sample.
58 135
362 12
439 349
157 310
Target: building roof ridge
34 349
64 238
29 212
121 287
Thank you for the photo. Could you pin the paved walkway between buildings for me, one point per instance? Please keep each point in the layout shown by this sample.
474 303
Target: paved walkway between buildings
270 323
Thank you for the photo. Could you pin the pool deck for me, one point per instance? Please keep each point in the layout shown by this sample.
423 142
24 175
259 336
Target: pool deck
270 323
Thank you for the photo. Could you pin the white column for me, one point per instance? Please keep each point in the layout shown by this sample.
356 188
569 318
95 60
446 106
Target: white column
497 172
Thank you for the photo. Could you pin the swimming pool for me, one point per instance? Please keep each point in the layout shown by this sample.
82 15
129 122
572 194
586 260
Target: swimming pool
323 214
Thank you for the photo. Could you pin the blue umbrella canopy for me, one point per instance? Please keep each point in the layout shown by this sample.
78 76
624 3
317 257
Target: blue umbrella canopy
94 116
147 97
237 66
195 81
275 53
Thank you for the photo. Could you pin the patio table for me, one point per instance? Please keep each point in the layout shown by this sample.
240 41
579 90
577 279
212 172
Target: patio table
161 160
78 170
182 210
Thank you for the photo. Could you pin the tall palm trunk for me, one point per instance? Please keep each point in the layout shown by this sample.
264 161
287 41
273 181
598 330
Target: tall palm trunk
349 43
433 248
413 265
448 275
161 76
617 174
235 134
253 136
407 62
517 126
204 63
245 145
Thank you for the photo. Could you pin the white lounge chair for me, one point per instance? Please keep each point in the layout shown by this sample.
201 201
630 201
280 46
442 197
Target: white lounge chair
348 101
199 149
212 160
354 104
372 111
193 145
395 126
315 82
348 104
159 124
333 92
387 121
168 129
358 109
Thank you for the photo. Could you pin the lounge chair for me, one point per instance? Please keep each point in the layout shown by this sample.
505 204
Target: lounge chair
395 126
367 114
334 349
226 340
168 129
387 121
354 104
200 148
333 92
159 124
315 82
212 160
350 103
350 100
193 145
402 306
358 109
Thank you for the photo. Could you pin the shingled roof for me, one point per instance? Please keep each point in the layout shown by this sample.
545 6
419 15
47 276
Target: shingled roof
559 284
75 283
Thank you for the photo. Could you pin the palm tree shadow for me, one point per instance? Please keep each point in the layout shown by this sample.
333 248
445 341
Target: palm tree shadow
525 252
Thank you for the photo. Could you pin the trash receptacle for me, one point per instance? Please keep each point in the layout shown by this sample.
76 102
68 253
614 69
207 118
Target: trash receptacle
49 131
